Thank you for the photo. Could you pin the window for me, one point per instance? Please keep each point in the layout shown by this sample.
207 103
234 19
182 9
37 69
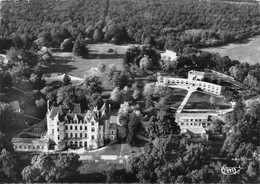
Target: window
86 128
76 127
58 137
57 123
182 123
92 129
191 123
75 121
92 123
80 135
92 137
58 129
66 127
76 135
71 127
80 144
67 135
38 147
52 131
71 134
86 135
80 127
195 124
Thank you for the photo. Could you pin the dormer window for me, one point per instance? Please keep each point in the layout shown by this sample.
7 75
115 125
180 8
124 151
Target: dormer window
75 121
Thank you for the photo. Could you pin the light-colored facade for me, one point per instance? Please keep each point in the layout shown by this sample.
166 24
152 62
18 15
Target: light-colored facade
77 129
195 124
31 144
195 80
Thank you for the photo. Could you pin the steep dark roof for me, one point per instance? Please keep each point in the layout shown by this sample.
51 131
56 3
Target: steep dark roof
112 126
77 109
15 105
55 111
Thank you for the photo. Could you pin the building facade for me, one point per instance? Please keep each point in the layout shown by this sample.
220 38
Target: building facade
195 79
77 130
194 124
31 144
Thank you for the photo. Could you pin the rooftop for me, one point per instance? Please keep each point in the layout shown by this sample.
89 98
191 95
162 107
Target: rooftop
15 106
30 140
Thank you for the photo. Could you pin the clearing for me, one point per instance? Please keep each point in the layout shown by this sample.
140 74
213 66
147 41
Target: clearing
66 62
200 100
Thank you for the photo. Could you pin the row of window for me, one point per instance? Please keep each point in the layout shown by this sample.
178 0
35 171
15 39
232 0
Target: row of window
181 82
71 135
80 128
79 121
32 147
209 86
78 144
195 124
187 120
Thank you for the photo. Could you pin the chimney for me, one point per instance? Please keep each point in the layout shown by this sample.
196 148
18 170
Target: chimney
48 105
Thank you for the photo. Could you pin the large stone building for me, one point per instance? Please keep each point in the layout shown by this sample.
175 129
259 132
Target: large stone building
75 129
196 80
79 129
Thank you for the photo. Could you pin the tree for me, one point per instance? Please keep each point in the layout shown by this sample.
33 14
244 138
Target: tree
132 129
8 166
98 35
145 63
44 169
102 67
251 81
116 95
79 49
93 83
17 41
217 126
67 167
163 126
66 45
170 159
66 80
95 101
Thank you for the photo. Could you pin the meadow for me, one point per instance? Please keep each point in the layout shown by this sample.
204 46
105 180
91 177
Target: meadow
66 62
200 100
245 51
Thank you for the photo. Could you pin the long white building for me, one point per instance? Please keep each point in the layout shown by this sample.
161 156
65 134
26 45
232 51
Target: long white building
195 80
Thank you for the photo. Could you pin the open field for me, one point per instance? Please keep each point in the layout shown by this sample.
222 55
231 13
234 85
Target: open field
66 62
247 51
199 100
178 97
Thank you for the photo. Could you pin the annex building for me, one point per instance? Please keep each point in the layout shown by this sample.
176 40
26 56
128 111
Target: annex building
195 80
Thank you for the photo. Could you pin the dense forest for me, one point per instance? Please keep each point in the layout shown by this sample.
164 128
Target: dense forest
164 23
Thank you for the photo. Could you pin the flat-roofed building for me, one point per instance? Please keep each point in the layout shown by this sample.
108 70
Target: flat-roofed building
31 144
195 79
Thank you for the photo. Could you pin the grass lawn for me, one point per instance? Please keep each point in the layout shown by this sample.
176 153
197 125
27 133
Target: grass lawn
66 62
247 51
199 100
178 96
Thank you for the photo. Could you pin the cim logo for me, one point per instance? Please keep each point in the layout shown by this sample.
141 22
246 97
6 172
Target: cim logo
230 170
